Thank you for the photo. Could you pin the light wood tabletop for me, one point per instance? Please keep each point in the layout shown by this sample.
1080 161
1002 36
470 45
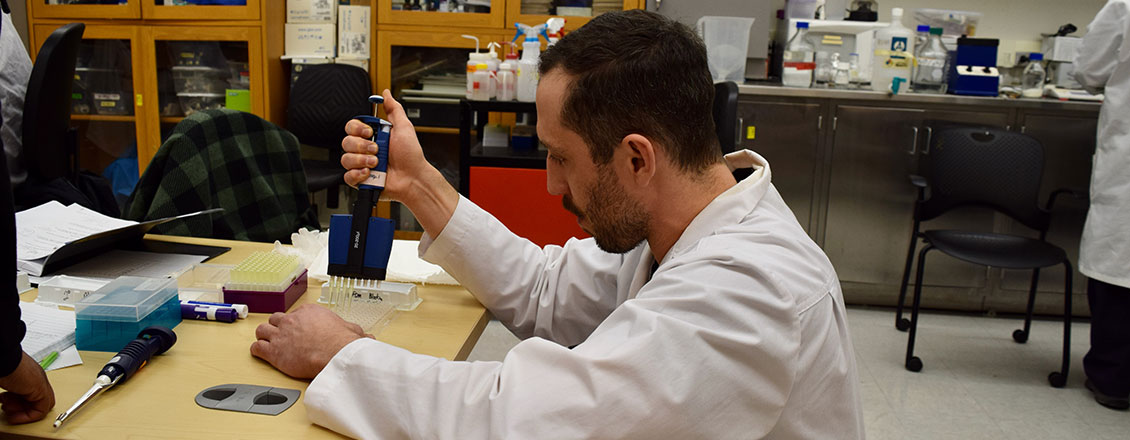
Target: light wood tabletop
158 402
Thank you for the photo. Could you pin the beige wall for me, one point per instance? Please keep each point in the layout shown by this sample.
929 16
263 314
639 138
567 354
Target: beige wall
19 18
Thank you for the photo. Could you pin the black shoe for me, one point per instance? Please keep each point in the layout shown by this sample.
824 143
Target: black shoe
1119 403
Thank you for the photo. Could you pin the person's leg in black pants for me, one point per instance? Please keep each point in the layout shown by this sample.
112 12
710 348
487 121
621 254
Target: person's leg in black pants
1107 364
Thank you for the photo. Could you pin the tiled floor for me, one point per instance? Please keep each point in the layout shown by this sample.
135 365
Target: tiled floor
976 382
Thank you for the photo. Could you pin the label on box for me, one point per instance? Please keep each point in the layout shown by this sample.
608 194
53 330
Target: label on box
310 11
312 40
110 96
353 31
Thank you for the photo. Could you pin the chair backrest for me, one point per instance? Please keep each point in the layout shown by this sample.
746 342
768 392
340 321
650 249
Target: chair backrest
987 167
726 115
226 159
323 99
47 105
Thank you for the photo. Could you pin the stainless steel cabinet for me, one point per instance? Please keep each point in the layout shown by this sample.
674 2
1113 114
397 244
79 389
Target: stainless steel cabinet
1069 143
871 204
788 136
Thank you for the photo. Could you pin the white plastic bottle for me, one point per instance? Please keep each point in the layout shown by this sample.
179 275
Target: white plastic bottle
894 49
492 65
507 82
481 83
1032 82
799 60
528 70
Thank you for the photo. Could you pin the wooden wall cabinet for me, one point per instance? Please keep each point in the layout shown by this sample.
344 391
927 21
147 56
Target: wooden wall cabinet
251 34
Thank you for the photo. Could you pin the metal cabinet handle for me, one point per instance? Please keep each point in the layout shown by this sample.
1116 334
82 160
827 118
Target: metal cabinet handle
820 122
929 140
1023 129
914 145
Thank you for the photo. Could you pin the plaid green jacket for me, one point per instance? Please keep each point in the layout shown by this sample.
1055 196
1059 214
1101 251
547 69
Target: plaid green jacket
225 159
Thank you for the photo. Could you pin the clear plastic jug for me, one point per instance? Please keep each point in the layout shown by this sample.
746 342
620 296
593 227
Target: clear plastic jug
727 45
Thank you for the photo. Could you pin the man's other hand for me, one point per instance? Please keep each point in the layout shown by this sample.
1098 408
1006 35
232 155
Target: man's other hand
302 342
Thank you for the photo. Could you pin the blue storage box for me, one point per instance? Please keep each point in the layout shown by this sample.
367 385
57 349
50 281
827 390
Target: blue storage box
113 315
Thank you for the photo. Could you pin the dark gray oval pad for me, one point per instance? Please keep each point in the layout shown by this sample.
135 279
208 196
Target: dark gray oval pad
248 398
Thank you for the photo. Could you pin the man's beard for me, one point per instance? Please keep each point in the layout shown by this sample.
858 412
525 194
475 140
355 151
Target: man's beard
618 223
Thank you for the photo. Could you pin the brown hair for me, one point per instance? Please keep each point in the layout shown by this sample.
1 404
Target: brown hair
638 72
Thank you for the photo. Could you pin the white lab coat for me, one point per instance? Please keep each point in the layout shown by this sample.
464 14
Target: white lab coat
740 333
1103 62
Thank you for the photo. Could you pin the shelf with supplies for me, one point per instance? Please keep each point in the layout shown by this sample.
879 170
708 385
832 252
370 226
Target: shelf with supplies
148 63
474 117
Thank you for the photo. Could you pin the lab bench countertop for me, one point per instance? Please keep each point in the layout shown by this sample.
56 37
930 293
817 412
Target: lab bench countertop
159 401
770 89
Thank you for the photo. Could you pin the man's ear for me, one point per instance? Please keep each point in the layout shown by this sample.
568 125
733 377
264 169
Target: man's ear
641 158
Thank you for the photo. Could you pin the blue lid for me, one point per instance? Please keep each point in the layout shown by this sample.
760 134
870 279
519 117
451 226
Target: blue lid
802 25
923 28
1036 56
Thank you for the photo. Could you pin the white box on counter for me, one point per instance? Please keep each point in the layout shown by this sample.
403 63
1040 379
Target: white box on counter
310 40
359 62
311 11
1061 49
353 31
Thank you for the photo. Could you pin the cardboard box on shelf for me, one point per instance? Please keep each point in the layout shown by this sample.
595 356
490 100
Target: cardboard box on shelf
359 62
310 40
311 11
353 31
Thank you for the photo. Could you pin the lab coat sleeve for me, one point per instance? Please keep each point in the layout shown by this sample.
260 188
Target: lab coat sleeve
1102 47
684 359
557 293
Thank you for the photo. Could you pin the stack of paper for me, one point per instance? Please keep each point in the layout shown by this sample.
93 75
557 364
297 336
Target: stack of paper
42 230
536 7
602 6
48 329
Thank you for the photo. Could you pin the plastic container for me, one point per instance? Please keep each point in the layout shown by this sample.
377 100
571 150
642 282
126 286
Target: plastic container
507 82
894 55
67 290
1032 82
110 104
199 79
112 316
953 23
197 53
204 282
727 45
480 83
193 102
799 60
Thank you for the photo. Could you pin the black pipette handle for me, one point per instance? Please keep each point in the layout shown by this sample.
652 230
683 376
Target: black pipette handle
151 341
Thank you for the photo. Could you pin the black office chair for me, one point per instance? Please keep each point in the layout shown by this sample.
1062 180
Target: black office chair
227 159
49 141
726 115
323 99
997 169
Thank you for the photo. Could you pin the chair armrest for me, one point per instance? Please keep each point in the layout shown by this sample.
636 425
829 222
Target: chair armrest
1075 193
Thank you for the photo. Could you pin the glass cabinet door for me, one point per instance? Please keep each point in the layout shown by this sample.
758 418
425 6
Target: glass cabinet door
203 9
86 9
104 104
442 13
575 12
200 68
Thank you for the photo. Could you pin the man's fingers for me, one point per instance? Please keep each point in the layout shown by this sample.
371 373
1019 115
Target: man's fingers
261 349
395 112
358 128
358 145
275 318
355 177
266 331
353 161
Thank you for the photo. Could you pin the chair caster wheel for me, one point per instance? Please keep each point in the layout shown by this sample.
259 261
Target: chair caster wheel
1020 336
1057 380
902 324
915 364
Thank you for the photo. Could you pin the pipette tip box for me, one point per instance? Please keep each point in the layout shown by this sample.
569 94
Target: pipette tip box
267 282
113 315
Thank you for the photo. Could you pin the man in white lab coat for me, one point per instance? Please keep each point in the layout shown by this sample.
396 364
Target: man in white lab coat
700 309
1103 63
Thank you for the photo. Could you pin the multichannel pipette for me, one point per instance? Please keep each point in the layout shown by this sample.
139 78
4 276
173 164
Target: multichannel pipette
152 340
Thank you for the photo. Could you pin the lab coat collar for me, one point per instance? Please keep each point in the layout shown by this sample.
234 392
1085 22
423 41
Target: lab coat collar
731 206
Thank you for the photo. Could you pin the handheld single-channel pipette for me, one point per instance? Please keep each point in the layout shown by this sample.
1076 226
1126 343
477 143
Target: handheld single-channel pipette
152 340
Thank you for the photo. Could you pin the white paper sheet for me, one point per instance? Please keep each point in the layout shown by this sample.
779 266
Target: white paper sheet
46 228
117 263
48 329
